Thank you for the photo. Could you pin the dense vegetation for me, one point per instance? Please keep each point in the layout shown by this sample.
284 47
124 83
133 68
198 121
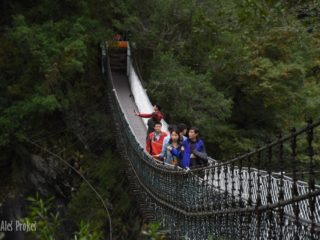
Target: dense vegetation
52 92
242 71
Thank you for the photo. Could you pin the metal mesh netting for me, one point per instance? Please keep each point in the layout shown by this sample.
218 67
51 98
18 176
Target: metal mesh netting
227 200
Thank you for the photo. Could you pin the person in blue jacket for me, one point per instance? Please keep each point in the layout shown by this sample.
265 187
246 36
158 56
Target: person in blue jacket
194 154
172 152
167 138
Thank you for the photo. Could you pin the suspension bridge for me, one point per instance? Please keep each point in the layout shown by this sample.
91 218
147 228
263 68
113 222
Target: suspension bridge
267 193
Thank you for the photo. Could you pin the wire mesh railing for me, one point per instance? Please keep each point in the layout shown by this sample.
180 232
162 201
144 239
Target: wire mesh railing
250 196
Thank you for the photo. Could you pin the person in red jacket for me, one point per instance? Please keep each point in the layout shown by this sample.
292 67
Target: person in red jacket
155 141
156 116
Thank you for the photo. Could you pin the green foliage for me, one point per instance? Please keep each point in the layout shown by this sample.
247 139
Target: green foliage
51 89
86 234
40 213
47 53
48 223
105 174
16 117
239 70
185 94
189 97
253 63
52 44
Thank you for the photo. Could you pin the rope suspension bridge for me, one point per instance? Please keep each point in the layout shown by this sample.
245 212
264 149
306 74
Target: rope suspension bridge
268 193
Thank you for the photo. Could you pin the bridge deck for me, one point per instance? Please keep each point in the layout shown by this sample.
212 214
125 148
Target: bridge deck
217 198
121 84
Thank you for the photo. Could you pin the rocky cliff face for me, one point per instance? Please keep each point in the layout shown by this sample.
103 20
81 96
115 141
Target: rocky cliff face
20 179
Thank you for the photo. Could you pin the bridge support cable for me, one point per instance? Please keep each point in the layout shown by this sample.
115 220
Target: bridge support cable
84 179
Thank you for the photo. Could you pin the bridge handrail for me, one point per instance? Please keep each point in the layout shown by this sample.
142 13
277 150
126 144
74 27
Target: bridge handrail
140 160
187 212
260 149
